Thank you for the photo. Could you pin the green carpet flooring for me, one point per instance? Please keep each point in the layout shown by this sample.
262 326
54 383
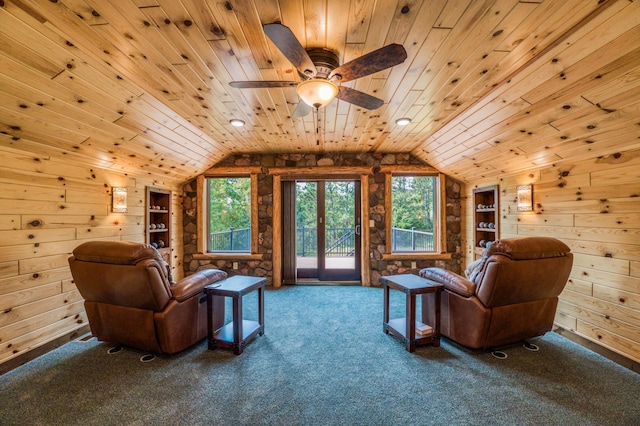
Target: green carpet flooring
323 360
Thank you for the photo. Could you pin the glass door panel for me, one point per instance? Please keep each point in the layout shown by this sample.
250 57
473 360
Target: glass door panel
328 230
339 225
307 229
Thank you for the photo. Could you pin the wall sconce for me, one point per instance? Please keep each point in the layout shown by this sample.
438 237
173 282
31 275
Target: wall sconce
525 198
119 200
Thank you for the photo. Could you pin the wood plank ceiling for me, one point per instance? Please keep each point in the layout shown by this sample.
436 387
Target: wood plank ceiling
491 87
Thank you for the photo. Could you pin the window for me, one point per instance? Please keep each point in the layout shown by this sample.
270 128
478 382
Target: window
228 214
414 223
227 205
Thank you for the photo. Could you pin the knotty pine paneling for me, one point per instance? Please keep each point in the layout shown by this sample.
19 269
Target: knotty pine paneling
594 207
491 87
47 208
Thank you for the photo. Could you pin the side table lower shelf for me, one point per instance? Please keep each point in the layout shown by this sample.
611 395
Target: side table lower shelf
397 327
223 337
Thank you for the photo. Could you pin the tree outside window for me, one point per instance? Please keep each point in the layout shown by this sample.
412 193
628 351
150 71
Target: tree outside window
229 208
414 217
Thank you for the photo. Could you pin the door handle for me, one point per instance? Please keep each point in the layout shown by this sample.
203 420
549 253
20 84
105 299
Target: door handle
357 229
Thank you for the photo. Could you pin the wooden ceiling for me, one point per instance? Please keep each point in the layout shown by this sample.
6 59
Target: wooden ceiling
491 87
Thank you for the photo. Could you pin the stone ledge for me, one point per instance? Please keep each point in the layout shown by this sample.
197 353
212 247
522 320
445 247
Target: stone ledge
227 256
415 256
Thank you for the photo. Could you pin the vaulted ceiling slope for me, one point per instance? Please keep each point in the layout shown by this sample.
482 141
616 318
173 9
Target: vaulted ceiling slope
491 87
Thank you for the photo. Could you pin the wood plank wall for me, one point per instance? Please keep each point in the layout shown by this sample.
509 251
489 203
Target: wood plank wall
47 208
594 207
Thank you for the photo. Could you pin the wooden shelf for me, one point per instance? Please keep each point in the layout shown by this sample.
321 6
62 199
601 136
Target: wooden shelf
398 327
158 213
225 333
486 217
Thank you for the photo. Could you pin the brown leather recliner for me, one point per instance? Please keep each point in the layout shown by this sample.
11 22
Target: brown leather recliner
510 295
130 298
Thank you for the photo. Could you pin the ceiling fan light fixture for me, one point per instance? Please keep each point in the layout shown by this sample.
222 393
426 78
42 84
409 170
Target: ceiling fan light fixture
317 92
236 122
403 121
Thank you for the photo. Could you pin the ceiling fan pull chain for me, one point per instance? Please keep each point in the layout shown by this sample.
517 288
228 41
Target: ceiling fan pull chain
317 112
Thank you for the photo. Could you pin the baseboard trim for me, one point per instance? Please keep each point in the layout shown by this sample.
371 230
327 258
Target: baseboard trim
316 282
43 349
592 346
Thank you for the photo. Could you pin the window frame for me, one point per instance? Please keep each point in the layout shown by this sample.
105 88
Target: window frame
440 230
202 211
436 213
207 211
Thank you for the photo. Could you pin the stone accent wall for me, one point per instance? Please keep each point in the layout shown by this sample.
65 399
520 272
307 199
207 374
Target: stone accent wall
376 190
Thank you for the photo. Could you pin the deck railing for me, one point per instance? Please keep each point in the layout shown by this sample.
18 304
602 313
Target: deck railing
340 242
233 240
409 240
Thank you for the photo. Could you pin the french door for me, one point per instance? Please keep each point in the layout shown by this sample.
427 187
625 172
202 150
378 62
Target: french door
327 230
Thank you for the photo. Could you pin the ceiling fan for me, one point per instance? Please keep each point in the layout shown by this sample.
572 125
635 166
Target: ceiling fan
320 71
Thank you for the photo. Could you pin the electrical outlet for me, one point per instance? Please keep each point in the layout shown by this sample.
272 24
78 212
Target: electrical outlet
413 265
372 223
235 265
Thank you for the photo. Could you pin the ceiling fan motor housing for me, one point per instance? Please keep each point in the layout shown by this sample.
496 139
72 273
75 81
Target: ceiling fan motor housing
325 61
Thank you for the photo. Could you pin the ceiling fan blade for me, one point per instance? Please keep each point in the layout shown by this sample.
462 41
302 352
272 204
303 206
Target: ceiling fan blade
302 109
378 60
261 84
358 98
288 44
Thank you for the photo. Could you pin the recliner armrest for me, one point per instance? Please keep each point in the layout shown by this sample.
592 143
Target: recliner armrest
451 281
193 284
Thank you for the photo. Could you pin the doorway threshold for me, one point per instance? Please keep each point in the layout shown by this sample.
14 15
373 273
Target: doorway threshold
314 281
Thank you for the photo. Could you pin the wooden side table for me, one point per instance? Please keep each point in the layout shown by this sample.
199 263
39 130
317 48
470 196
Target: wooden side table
237 333
405 328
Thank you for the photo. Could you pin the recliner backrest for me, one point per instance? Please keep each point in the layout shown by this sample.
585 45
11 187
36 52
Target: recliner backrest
521 270
121 273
